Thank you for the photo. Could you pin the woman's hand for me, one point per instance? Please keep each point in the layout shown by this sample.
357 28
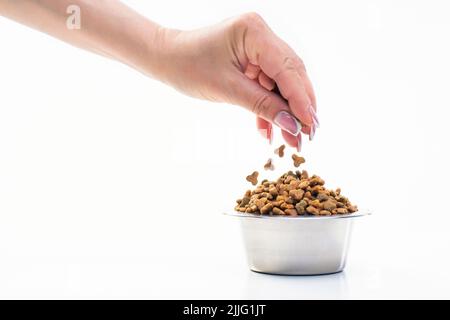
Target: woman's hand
241 61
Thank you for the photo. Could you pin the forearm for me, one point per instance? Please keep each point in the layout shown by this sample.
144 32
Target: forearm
107 27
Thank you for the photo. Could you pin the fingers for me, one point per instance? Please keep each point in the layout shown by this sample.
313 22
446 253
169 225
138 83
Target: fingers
293 141
264 103
265 81
271 63
309 88
280 63
265 128
252 71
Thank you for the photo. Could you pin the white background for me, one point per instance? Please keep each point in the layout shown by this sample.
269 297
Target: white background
113 185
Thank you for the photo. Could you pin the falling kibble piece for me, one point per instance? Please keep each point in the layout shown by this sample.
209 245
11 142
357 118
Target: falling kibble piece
280 151
269 165
253 178
297 160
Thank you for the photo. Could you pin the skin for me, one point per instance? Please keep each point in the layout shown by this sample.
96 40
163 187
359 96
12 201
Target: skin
252 67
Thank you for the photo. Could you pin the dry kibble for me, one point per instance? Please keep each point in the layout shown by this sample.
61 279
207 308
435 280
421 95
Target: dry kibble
245 201
267 208
253 178
291 212
297 160
278 211
269 165
292 194
280 151
312 210
288 179
329 205
260 202
304 174
285 206
297 194
304 184
340 204
303 203
300 209
316 203
322 196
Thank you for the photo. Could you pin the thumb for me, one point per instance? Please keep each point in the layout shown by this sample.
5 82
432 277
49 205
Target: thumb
266 104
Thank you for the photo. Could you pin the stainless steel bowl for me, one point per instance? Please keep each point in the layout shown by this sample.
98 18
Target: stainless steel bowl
296 245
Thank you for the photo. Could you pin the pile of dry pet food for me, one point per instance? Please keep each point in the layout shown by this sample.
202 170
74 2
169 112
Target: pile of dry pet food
293 194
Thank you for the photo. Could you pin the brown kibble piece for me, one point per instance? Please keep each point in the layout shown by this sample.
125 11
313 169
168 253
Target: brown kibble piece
291 212
304 174
300 210
316 203
325 213
260 202
267 208
304 184
273 191
280 151
297 160
303 203
329 205
342 211
285 206
316 181
245 201
253 178
322 196
278 211
269 165
312 210
297 194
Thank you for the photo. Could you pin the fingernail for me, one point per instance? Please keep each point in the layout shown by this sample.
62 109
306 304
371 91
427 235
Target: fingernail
288 123
314 116
270 134
299 143
312 132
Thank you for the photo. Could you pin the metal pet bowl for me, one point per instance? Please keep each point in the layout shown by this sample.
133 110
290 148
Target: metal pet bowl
303 245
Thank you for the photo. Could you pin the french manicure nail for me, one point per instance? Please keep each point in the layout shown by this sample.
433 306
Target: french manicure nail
312 132
314 116
288 123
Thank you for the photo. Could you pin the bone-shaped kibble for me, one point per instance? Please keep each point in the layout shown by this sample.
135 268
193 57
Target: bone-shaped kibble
269 165
297 160
280 151
253 178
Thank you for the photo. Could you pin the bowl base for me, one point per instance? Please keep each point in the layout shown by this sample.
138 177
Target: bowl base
295 273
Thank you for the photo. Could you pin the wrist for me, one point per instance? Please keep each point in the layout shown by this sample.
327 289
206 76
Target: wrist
162 54
145 46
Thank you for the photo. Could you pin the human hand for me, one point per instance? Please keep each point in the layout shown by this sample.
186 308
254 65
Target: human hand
242 62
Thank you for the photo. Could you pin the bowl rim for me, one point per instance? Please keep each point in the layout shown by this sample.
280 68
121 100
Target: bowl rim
358 214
